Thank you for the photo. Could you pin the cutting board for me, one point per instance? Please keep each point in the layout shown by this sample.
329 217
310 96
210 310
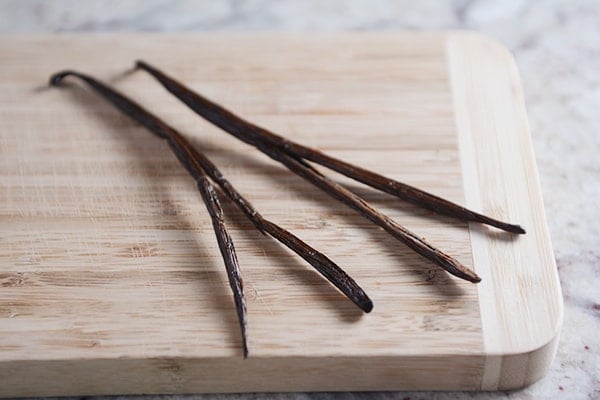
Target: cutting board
110 277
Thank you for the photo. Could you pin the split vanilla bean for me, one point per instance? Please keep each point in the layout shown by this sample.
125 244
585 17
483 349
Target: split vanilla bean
234 125
200 167
253 135
182 150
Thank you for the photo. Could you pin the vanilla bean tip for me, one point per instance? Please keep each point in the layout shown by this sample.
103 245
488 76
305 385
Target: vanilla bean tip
469 275
57 78
245 349
366 305
518 229
140 64
457 269
511 228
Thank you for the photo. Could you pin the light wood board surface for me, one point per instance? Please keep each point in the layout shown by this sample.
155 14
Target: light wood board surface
110 277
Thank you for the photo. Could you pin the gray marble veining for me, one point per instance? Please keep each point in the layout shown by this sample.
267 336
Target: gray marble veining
557 47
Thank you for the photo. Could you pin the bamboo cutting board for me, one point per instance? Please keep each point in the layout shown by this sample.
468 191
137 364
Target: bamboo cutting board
110 277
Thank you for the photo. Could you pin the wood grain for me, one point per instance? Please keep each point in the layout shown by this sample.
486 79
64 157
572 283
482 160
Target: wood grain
488 98
109 267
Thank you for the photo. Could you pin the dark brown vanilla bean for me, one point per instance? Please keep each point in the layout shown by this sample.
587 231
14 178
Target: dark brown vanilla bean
354 201
253 134
229 256
192 158
181 150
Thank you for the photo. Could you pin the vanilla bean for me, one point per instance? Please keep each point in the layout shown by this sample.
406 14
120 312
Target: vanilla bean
357 203
200 162
182 151
253 134
229 256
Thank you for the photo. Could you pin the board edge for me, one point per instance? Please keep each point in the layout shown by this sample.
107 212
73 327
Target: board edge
505 366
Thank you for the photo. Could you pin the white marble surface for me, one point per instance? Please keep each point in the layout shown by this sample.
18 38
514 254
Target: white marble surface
557 47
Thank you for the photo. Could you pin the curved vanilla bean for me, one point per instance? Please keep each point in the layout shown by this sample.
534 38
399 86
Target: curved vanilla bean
200 162
181 150
253 134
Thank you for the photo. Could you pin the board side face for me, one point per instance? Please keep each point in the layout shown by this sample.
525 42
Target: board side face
112 257
520 297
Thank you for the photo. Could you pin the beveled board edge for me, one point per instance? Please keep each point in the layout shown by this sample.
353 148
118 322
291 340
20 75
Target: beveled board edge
494 136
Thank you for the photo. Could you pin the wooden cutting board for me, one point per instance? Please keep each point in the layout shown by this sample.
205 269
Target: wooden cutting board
110 277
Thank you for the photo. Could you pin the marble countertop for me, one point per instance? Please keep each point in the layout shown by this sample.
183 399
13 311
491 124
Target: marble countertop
557 47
